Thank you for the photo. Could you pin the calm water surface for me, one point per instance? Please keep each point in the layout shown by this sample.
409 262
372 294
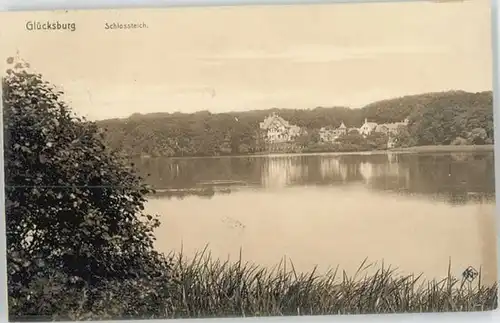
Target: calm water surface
412 211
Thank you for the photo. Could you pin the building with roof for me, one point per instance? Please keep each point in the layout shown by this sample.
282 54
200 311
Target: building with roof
278 130
391 128
330 134
367 128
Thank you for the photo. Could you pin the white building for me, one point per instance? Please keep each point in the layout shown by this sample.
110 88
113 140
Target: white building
367 128
278 130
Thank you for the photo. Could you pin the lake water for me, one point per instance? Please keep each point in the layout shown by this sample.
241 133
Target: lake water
413 211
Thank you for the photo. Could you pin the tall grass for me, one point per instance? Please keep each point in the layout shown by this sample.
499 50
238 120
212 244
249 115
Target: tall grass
208 287
204 286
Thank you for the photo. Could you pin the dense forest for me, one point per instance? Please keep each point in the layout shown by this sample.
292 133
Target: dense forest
444 118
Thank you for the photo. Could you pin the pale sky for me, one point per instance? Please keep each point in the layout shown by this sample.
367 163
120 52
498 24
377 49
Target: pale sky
258 57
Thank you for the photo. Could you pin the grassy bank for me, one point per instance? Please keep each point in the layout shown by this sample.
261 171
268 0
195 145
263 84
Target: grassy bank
207 287
447 148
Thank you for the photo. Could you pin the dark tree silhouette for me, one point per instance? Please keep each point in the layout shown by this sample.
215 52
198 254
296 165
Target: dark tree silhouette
73 208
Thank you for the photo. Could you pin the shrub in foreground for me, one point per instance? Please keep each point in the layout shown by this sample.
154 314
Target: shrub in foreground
74 209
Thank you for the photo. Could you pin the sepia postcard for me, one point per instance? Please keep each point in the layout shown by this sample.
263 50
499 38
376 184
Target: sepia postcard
249 161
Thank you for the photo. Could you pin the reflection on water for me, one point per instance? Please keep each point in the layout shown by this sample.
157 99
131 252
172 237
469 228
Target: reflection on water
332 168
411 210
281 172
456 177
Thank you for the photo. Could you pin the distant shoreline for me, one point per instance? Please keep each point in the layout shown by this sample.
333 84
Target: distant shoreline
445 148
415 149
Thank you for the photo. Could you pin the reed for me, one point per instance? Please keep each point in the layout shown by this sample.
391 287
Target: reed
204 286
208 287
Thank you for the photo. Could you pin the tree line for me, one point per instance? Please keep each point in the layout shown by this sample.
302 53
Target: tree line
444 118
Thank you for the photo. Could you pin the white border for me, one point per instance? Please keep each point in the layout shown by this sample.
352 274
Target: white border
494 316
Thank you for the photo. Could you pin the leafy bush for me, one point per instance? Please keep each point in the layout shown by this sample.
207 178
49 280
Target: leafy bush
74 210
